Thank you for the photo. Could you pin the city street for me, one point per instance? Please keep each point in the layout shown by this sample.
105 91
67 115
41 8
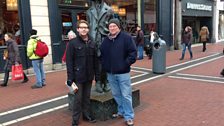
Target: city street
190 93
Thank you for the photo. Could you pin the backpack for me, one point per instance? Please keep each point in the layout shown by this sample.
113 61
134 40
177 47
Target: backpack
41 49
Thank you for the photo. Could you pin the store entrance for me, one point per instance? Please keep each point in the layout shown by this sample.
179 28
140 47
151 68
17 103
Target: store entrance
196 23
68 20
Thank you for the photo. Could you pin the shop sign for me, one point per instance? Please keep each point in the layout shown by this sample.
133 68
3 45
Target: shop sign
194 6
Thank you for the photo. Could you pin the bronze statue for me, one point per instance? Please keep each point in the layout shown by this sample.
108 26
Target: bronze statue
98 16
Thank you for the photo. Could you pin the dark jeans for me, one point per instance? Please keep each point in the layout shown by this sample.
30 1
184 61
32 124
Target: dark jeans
6 77
204 46
82 101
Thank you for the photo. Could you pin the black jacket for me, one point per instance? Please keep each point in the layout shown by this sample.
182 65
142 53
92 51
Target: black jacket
81 61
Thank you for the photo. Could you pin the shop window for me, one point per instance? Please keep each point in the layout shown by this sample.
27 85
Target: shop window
9 20
127 12
150 16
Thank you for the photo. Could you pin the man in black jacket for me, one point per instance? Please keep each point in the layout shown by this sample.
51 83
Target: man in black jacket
81 60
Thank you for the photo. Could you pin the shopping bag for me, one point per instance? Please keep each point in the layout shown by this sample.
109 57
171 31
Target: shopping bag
17 72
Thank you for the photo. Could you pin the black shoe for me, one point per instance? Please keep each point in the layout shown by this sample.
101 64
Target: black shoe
75 123
25 80
3 85
89 119
35 87
181 58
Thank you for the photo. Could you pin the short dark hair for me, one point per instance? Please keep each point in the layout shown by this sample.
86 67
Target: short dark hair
33 32
82 21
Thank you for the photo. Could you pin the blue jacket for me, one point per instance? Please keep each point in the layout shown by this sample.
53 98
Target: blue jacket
118 54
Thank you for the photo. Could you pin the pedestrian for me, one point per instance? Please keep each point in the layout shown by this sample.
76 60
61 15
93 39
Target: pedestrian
139 42
149 49
187 41
118 52
204 36
37 62
12 57
81 60
71 35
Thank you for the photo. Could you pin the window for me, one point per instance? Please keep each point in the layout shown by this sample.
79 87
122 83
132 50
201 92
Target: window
9 20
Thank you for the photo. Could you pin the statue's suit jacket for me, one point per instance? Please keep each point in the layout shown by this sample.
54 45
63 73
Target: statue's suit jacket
99 23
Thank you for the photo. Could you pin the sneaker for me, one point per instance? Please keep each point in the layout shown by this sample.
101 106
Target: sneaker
35 87
114 116
130 122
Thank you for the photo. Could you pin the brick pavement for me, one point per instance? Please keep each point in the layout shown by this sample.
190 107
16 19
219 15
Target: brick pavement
163 102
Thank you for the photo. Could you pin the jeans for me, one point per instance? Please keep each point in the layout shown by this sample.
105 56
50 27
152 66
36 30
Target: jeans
39 71
188 46
140 52
122 93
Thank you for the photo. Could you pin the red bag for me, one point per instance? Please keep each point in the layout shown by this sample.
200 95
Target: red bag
41 49
17 72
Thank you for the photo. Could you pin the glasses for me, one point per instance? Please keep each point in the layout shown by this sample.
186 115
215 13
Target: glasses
83 27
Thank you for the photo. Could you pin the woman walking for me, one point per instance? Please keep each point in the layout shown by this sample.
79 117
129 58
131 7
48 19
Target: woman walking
11 58
204 36
186 41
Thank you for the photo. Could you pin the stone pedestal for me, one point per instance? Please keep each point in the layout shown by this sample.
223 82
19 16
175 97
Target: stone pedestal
103 105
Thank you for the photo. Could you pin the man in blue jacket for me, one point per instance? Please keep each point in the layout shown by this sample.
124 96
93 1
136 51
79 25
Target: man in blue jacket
118 52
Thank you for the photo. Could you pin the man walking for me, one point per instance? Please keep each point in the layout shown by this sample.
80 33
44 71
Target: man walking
81 60
118 52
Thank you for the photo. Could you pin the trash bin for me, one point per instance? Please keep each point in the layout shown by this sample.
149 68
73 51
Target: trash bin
159 56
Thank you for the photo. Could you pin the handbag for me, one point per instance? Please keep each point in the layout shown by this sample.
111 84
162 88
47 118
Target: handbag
17 72
5 54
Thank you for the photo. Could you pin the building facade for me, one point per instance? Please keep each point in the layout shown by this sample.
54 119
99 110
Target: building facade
220 20
54 18
198 13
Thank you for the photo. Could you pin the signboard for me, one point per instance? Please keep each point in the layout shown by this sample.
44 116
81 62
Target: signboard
195 6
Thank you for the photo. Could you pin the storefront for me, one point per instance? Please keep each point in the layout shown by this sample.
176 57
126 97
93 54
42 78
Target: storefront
63 15
12 19
54 18
220 18
197 14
